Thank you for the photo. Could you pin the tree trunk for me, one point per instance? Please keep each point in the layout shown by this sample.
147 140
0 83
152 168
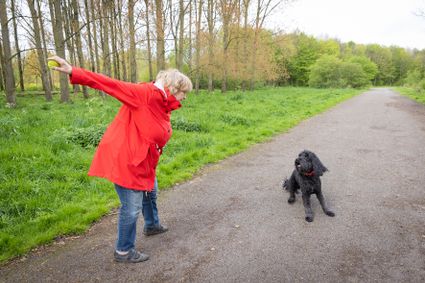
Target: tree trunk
57 20
8 69
210 21
198 47
132 52
148 34
69 39
2 76
112 27
245 43
77 34
189 63
89 36
121 35
44 43
181 36
18 51
40 54
105 41
160 44
96 47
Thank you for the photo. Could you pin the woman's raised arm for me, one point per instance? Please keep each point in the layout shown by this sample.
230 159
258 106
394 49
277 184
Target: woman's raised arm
123 91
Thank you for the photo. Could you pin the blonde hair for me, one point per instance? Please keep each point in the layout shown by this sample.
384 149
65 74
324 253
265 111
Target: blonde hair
174 80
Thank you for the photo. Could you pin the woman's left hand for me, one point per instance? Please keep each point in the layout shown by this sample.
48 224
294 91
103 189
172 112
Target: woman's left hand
64 67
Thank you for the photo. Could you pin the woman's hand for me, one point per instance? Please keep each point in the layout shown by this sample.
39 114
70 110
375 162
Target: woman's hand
64 67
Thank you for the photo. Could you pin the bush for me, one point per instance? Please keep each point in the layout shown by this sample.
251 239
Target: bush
331 72
84 137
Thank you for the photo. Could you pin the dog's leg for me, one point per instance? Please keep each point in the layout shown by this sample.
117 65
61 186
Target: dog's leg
307 206
325 208
292 186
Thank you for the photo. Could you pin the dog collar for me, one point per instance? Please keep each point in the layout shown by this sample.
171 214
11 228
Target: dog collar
309 174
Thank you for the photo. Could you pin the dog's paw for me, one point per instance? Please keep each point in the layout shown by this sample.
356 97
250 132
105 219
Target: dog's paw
309 218
291 200
330 213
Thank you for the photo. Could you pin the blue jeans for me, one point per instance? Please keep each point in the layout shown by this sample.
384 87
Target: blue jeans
132 201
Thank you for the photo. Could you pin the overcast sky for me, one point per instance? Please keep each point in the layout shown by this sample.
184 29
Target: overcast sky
386 22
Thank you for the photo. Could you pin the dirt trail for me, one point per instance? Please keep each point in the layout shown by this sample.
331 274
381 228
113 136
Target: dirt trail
232 222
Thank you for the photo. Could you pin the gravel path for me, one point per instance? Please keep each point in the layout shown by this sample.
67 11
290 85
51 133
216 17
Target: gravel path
232 222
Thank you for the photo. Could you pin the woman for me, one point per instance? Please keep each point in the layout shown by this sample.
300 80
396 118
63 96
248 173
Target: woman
130 149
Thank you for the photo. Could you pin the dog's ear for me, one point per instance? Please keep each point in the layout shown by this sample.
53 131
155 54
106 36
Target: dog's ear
318 166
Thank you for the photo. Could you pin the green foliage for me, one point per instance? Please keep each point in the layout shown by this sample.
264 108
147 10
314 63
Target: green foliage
330 71
46 150
180 123
370 69
417 94
306 55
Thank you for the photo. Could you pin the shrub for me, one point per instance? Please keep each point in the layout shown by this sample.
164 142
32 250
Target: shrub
331 72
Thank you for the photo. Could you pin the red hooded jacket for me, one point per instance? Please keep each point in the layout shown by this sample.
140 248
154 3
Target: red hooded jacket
132 144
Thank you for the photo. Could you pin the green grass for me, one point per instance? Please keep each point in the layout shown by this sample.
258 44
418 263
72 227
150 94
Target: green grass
418 95
46 150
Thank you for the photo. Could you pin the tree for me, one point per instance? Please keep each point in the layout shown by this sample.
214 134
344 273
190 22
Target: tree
381 56
7 57
57 19
227 10
148 39
132 51
44 71
306 55
160 37
368 66
76 32
18 50
211 17
198 47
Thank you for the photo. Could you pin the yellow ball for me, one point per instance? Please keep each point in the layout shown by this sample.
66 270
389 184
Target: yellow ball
52 63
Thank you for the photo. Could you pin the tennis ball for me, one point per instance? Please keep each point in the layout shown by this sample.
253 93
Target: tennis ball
52 64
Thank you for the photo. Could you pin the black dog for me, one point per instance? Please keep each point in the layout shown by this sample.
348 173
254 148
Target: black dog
306 176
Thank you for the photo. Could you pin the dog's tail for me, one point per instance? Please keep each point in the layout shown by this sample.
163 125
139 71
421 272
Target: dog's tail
285 184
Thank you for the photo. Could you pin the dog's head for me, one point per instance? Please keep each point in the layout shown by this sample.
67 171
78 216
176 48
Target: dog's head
308 164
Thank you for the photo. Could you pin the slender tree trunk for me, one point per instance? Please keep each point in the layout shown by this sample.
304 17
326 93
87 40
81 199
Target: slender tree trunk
198 47
77 34
89 36
18 51
210 21
7 55
40 54
112 27
189 63
148 34
2 76
121 34
95 44
2 64
181 36
160 43
44 43
105 41
132 52
69 39
57 20
245 43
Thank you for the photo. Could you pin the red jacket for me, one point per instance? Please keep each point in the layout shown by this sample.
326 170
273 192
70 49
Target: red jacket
132 144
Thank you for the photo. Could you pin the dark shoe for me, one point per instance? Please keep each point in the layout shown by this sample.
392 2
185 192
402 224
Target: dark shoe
156 230
132 256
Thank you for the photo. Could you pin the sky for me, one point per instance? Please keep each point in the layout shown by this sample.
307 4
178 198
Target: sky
385 22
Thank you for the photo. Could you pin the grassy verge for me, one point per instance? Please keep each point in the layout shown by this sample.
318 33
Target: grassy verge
414 94
46 150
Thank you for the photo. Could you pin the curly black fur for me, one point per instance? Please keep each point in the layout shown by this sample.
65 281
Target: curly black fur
306 177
